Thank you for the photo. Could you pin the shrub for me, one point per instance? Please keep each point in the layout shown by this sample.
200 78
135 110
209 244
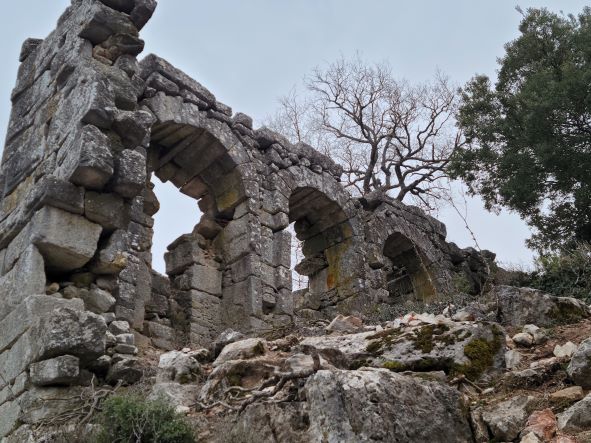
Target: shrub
131 419
565 274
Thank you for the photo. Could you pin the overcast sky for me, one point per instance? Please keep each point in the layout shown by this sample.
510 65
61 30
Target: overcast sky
250 52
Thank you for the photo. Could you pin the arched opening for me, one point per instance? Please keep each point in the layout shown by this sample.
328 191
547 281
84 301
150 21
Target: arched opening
200 264
323 228
406 275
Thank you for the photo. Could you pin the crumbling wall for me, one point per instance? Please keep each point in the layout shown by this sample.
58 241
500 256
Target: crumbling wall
89 127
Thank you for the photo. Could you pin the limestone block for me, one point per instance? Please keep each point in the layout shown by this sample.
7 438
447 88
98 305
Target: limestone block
89 162
66 331
202 278
183 253
108 210
119 327
162 336
153 63
130 173
142 12
38 403
25 314
101 22
133 127
16 359
125 368
112 257
98 301
63 370
65 240
205 309
9 414
26 277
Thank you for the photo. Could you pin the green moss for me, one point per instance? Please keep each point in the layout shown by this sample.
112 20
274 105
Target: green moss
424 338
381 340
394 366
481 354
565 313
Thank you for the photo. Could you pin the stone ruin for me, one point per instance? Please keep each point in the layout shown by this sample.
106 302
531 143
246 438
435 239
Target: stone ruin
90 126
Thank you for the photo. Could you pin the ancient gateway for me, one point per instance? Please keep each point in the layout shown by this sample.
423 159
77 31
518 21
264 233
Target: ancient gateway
90 127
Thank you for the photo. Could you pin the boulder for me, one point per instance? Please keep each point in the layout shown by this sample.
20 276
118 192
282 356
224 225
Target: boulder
348 324
179 367
67 331
506 419
565 350
512 359
125 369
63 370
175 394
522 306
241 350
374 405
577 418
119 327
567 395
579 368
523 339
98 301
542 424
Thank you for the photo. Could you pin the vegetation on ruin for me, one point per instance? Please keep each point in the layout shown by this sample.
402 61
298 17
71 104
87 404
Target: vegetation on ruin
126 419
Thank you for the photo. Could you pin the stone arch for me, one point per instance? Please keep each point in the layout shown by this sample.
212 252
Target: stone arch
406 274
211 290
325 220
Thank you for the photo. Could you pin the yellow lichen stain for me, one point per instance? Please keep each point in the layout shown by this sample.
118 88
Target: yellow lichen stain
334 256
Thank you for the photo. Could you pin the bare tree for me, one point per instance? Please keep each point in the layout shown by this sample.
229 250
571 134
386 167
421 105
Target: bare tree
388 135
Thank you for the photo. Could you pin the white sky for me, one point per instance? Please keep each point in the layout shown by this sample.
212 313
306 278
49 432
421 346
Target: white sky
248 53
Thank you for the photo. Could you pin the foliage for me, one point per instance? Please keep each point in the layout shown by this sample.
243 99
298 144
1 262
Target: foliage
389 135
131 419
564 274
529 137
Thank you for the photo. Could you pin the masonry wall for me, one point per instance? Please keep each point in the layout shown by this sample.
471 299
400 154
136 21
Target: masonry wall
89 128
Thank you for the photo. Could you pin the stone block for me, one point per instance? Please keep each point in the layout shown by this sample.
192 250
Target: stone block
112 257
162 336
120 5
100 22
142 12
98 301
38 404
129 178
205 310
24 315
133 127
63 370
185 252
108 210
9 414
66 241
89 162
27 277
66 331
201 278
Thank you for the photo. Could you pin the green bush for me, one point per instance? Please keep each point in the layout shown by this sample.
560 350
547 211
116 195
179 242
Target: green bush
565 274
131 419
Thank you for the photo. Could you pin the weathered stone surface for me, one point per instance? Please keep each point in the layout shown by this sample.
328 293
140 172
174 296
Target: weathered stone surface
542 424
108 210
66 331
112 257
566 350
98 301
180 367
345 324
25 278
130 173
567 395
512 359
175 394
523 339
119 327
577 418
579 368
65 240
356 406
90 163
506 419
521 306
126 369
240 350
225 338
62 370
